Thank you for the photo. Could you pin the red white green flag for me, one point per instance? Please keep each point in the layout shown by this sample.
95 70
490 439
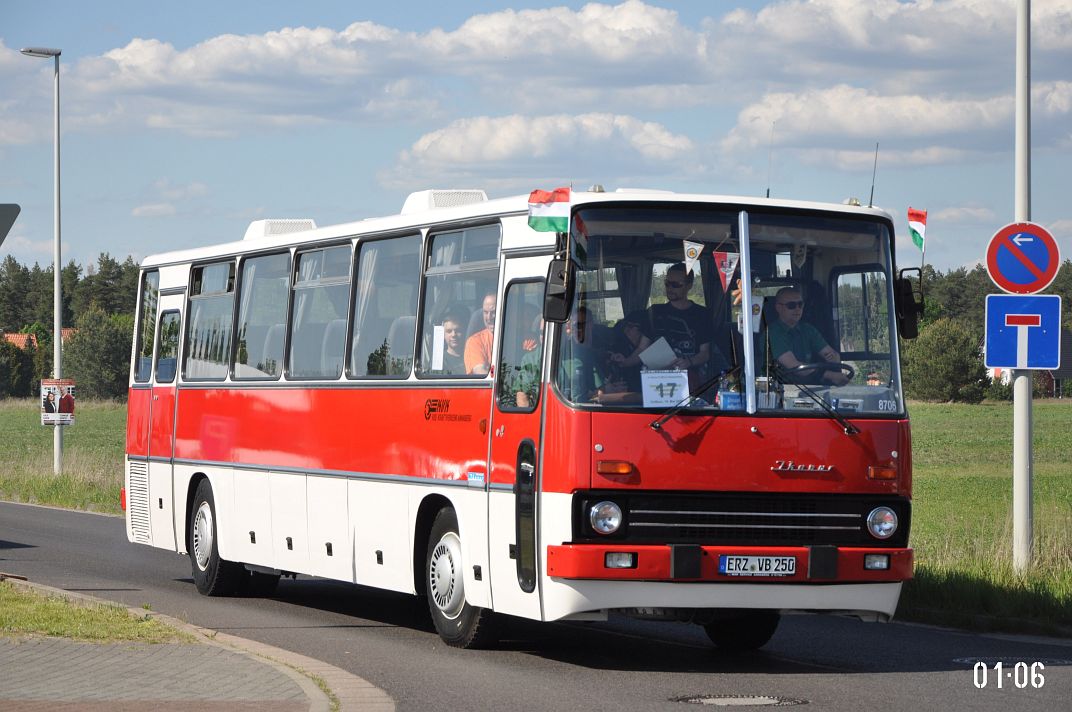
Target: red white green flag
917 226
549 210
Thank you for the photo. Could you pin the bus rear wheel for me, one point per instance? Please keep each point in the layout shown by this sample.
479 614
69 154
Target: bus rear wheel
748 631
212 575
459 624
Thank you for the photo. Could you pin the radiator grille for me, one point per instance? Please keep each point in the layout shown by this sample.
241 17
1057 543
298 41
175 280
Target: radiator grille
138 501
743 518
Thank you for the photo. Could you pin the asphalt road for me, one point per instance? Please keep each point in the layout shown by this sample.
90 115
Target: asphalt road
829 663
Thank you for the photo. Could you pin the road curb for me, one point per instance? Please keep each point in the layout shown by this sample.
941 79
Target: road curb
345 691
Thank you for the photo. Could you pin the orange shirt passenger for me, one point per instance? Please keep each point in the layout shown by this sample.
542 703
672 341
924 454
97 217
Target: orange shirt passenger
478 346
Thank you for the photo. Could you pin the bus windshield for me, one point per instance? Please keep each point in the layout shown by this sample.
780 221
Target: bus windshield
658 320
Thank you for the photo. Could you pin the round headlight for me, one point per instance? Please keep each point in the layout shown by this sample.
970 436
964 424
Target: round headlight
882 522
605 517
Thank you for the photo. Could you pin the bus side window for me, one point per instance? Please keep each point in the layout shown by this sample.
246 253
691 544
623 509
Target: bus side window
168 347
321 291
521 357
208 326
150 294
385 307
262 317
460 285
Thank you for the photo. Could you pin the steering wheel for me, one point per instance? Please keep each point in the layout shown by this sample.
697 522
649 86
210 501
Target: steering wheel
824 366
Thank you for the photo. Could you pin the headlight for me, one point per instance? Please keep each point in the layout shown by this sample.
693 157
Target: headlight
605 517
882 522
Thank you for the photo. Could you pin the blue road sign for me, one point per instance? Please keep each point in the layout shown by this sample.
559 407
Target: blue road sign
1023 331
1022 258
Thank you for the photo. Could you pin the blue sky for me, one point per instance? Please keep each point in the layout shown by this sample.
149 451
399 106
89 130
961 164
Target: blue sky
182 122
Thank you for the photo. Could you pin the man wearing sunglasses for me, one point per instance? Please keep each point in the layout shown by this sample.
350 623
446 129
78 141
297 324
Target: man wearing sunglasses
686 326
794 342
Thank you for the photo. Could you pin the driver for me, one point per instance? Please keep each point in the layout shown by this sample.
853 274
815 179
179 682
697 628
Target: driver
794 342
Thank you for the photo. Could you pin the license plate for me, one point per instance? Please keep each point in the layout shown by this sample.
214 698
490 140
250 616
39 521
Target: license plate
731 565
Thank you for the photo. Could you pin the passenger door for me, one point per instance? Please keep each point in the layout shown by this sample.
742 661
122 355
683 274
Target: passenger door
162 421
513 502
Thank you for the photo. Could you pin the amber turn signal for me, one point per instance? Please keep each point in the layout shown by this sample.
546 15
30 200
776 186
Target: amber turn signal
615 467
882 472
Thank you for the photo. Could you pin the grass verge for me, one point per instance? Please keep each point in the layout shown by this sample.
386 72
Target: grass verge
962 521
92 472
25 613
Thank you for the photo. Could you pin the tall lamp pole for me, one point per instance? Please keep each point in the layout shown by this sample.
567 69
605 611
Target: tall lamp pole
57 301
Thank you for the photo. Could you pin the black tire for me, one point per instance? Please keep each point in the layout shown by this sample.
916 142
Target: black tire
748 631
212 575
459 624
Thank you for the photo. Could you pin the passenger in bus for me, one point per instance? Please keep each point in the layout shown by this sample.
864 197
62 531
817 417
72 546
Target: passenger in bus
478 346
794 342
625 339
524 383
687 327
453 323
578 375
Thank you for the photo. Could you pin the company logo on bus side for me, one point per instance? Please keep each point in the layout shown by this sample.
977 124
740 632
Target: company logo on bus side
790 466
435 405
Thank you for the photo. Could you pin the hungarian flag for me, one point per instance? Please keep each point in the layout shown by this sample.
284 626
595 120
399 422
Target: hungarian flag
917 225
549 211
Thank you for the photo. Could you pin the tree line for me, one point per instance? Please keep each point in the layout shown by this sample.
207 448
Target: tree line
944 363
97 301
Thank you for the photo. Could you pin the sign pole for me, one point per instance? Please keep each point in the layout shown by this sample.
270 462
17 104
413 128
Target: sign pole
1022 529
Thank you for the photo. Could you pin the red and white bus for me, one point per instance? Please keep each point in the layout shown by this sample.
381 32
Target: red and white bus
555 426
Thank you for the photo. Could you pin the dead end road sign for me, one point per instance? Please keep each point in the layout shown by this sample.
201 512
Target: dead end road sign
1022 258
1023 331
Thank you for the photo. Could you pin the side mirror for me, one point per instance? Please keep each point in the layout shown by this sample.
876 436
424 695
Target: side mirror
908 302
558 292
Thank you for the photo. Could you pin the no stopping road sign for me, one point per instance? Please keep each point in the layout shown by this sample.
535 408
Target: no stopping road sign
1022 258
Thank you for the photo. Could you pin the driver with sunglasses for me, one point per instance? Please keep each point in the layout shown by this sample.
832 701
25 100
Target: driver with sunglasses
794 342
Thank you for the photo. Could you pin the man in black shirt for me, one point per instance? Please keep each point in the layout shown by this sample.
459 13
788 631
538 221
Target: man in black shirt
686 326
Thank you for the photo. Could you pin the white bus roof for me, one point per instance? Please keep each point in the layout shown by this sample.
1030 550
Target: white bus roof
500 207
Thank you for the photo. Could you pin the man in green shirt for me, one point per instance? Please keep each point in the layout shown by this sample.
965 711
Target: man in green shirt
793 342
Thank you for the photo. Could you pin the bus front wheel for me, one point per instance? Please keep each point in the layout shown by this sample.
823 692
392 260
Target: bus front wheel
212 575
459 624
748 631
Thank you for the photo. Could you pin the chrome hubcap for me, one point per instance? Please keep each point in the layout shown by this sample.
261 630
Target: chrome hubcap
202 535
445 575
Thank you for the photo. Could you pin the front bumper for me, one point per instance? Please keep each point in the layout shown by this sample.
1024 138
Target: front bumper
698 563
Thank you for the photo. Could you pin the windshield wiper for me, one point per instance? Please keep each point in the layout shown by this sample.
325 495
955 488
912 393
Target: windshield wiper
778 372
689 399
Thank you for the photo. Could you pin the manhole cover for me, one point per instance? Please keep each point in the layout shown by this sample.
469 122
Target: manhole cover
739 700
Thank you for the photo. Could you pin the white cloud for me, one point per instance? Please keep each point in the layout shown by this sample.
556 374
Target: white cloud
484 139
962 214
519 144
842 115
153 210
170 198
600 57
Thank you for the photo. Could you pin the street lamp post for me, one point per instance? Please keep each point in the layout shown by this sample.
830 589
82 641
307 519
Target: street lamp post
57 301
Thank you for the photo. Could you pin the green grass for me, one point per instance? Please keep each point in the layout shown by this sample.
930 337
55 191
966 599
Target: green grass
24 613
92 472
961 524
962 519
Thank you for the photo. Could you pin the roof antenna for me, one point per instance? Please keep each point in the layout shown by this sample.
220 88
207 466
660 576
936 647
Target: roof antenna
874 171
770 151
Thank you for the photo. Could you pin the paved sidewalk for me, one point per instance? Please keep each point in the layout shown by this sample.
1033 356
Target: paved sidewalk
215 671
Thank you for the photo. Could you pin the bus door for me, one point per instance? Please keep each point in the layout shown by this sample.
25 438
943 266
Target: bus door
516 441
162 421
